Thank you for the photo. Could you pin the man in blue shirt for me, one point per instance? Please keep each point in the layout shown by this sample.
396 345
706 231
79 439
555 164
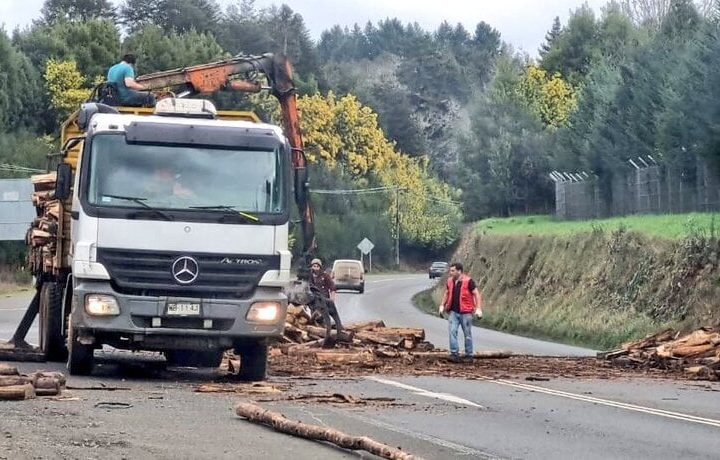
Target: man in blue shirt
122 75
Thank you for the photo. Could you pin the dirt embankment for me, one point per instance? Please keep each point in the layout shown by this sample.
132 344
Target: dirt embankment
597 288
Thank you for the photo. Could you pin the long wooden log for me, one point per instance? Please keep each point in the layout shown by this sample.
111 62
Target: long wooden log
477 355
6 369
276 420
343 336
382 339
415 333
366 325
683 351
17 392
344 357
12 380
306 348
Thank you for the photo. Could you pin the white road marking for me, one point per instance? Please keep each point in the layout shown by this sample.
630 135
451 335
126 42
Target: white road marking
461 449
610 403
14 309
426 393
394 279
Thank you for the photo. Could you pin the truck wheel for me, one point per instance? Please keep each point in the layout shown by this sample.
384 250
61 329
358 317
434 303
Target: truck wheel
253 360
52 342
192 358
361 289
80 357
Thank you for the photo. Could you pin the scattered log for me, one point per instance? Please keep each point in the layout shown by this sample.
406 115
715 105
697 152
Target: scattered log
343 357
17 392
698 352
493 354
684 351
703 373
10 352
277 421
47 386
414 333
381 339
343 336
366 325
12 380
6 369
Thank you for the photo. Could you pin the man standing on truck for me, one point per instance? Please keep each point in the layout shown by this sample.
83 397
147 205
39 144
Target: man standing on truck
122 75
462 300
325 285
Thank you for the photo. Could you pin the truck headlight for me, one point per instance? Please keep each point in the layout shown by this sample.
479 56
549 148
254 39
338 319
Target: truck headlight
263 312
101 305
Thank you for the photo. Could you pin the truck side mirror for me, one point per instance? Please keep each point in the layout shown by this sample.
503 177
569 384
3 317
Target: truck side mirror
63 183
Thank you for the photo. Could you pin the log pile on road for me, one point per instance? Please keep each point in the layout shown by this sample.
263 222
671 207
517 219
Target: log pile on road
15 386
697 352
363 344
356 343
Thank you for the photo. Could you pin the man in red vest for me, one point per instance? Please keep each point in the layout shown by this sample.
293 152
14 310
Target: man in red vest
462 300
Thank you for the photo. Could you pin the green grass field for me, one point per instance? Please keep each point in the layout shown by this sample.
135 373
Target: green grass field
670 226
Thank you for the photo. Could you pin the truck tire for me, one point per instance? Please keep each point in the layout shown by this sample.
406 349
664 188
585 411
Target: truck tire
80 357
193 358
253 360
52 342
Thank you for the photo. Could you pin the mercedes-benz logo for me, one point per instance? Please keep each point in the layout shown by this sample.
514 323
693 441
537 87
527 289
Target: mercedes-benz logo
185 270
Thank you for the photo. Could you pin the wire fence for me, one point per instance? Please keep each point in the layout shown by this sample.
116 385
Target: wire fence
644 187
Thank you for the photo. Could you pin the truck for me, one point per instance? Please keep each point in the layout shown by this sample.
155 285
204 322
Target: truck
166 228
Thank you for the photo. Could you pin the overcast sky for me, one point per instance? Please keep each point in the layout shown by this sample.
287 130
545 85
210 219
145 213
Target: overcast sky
522 23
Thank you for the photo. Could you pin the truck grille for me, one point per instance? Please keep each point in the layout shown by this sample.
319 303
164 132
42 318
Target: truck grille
136 272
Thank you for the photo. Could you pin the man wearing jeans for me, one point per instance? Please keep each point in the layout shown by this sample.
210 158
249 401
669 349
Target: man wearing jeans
462 300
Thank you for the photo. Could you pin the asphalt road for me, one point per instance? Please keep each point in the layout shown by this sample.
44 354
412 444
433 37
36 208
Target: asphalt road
155 413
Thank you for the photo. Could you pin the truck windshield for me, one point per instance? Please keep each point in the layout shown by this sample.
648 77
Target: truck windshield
185 177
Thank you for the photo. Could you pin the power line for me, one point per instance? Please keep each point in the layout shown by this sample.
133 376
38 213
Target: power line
12 167
357 191
366 191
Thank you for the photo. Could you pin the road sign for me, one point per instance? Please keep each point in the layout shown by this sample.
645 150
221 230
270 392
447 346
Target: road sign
365 246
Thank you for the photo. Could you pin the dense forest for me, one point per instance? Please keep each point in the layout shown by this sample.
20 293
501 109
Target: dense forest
466 125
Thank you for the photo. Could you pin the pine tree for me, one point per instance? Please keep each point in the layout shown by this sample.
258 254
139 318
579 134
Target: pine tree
551 37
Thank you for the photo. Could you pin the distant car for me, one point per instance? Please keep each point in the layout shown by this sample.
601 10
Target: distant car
437 269
349 274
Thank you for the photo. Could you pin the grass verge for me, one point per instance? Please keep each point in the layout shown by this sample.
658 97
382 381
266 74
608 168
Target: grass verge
670 226
605 331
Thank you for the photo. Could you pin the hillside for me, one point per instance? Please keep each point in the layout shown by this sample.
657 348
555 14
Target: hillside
594 283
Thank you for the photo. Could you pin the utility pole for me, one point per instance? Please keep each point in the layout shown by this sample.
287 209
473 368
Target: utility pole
397 227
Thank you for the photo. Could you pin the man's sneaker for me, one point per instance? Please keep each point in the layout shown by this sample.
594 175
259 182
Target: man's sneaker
467 359
454 358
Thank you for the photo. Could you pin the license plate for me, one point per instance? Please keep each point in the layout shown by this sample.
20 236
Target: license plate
183 309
